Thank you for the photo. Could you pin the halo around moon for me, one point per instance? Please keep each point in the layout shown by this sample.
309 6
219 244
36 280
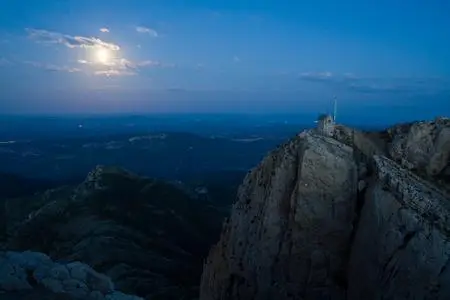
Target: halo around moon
103 55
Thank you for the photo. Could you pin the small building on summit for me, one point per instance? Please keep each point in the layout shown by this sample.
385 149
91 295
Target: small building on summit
325 125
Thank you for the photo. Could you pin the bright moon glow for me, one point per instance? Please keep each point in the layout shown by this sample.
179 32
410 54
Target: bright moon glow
103 55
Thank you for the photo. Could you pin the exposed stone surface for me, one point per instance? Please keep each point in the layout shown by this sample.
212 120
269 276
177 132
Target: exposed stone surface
289 231
360 141
422 145
32 274
401 249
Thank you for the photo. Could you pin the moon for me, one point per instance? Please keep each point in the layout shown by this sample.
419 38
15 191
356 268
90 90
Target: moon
103 55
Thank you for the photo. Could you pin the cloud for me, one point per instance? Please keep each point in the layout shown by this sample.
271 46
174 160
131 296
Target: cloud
114 72
4 62
49 37
62 69
154 63
84 62
122 66
113 67
369 87
52 67
148 63
317 76
122 63
417 86
146 30
199 66
372 85
104 30
236 59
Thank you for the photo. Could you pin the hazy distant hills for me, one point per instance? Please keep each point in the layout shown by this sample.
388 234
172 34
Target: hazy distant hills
169 146
163 155
38 127
12 185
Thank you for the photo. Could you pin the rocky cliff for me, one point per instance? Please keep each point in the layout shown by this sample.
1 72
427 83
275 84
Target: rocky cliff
337 218
401 248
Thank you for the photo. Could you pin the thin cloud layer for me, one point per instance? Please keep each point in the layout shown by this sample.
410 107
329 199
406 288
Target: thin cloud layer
317 76
49 37
113 72
4 62
400 86
110 64
113 67
146 30
122 63
122 66
52 67
367 85
199 66
154 63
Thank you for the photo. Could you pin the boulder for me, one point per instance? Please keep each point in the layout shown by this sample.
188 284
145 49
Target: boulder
29 274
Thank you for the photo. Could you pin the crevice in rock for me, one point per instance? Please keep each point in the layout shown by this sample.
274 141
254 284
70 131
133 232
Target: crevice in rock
292 205
341 279
444 267
406 240
389 273
31 279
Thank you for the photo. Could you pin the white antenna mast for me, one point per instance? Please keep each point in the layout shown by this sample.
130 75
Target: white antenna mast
335 108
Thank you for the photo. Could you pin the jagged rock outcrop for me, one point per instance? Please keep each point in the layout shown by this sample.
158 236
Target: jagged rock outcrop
29 275
148 236
338 218
290 227
401 249
422 145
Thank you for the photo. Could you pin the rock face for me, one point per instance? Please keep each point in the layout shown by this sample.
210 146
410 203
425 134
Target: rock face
401 248
148 236
289 231
31 274
338 218
422 145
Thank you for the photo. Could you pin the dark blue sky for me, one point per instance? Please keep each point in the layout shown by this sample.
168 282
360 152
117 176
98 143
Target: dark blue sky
379 57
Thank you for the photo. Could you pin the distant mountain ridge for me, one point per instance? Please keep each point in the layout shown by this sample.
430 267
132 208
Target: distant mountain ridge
171 156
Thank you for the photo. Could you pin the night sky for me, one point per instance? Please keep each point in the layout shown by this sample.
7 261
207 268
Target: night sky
383 58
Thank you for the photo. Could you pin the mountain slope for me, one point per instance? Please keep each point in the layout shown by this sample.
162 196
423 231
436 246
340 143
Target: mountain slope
337 218
148 236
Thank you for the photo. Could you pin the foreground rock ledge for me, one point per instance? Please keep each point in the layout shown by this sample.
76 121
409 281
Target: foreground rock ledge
33 275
